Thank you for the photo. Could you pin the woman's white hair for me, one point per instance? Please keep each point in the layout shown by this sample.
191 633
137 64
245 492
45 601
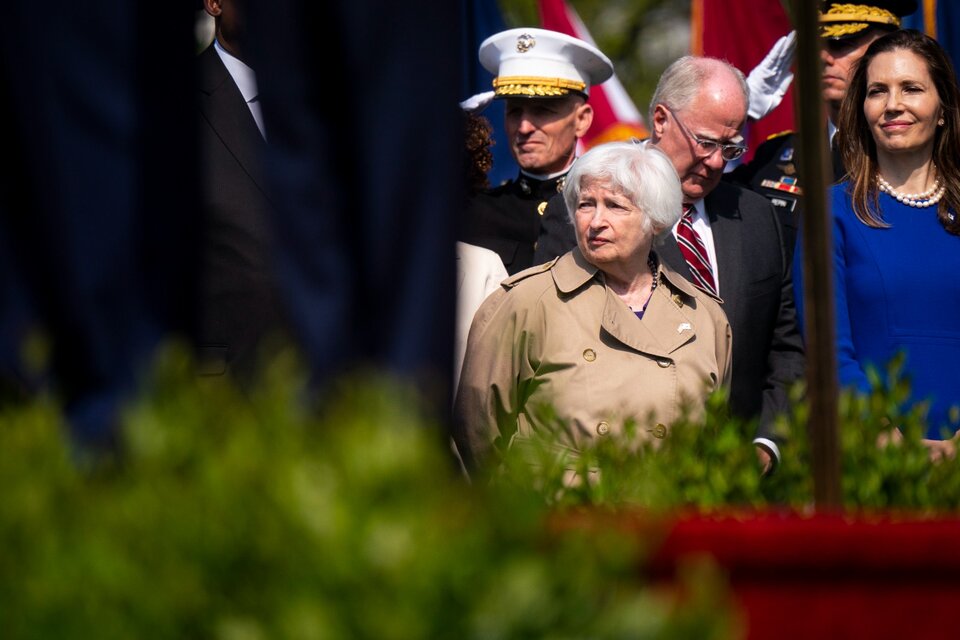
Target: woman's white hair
643 173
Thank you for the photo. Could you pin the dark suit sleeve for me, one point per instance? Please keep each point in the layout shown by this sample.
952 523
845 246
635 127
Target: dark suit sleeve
786 359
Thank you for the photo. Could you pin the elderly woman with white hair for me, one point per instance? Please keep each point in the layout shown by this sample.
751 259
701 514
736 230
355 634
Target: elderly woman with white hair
603 334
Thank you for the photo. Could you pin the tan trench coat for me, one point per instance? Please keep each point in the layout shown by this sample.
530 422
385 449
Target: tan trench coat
556 334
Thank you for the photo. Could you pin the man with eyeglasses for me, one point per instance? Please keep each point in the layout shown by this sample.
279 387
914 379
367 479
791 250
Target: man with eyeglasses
729 242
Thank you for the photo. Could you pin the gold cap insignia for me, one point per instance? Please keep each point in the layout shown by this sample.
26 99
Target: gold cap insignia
525 42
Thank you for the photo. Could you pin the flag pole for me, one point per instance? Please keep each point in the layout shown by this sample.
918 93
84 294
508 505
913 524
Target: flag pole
815 162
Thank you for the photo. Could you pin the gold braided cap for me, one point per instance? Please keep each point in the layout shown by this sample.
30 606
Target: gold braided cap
533 86
846 19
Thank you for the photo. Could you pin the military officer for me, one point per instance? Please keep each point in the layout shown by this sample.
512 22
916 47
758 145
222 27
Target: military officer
846 31
543 78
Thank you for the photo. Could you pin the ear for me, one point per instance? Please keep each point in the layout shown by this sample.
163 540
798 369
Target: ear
584 119
659 120
213 7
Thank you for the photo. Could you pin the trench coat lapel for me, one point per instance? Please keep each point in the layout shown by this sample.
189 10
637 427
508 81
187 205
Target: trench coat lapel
665 326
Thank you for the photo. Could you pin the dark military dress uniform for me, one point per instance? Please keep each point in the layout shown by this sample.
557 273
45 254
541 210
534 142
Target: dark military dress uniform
506 219
774 173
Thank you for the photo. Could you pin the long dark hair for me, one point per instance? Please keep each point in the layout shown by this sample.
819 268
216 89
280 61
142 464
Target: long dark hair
859 150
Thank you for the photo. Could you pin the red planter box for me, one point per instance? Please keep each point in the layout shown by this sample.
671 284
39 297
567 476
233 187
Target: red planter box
829 576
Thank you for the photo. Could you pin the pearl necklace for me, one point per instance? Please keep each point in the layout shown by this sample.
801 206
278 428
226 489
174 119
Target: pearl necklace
928 198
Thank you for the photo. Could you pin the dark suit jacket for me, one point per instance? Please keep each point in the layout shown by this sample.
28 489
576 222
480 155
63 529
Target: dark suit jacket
757 289
238 303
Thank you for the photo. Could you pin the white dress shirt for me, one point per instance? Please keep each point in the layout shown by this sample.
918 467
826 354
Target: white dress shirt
246 80
701 224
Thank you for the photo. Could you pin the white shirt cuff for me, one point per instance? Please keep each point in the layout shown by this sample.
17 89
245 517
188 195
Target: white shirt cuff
770 446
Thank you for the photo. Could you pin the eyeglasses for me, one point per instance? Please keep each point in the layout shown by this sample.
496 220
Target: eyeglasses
706 148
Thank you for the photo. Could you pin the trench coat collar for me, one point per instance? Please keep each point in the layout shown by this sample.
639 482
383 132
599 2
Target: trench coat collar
668 322
572 271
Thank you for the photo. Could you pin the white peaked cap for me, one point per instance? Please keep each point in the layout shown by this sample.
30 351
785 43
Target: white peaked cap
538 63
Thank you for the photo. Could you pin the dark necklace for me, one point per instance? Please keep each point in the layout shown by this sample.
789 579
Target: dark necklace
653 264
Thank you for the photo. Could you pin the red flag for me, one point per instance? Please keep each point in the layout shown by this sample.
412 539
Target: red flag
742 32
615 116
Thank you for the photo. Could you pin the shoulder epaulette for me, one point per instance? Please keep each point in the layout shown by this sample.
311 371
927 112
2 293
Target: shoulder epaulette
526 273
781 134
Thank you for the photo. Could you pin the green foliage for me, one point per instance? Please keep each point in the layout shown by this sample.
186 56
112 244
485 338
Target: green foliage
236 516
897 475
708 464
711 464
245 516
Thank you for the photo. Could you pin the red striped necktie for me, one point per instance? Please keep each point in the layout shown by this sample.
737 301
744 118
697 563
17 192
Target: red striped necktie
695 252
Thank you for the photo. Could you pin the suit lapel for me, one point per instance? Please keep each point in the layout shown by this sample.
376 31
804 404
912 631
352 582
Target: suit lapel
724 212
224 108
669 252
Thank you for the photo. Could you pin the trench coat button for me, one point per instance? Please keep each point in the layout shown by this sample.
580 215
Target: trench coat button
659 431
603 429
663 362
589 355
677 300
